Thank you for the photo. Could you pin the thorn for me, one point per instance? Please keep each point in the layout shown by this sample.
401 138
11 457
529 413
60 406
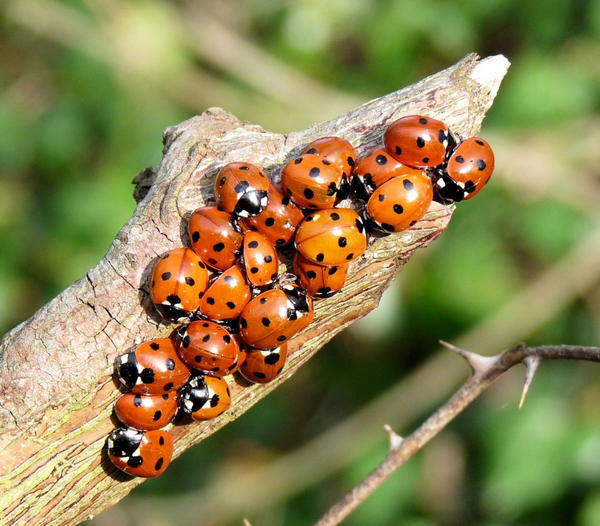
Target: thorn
395 439
479 363
532 363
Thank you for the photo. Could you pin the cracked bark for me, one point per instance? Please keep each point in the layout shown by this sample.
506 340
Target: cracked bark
56 388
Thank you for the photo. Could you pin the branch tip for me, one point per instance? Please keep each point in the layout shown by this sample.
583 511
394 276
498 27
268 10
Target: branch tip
479 363
395 439
531 363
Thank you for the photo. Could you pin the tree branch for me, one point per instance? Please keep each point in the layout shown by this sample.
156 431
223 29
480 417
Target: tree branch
56 388
485 371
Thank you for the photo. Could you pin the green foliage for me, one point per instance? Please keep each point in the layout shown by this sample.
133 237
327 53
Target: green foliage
81 114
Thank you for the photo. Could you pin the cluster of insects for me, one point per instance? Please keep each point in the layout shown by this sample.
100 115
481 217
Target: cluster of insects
237 312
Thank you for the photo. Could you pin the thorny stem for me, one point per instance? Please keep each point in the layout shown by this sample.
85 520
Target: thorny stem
485 371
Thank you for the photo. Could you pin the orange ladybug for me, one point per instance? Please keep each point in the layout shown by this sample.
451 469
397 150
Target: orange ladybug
146 412
140 453
331 237
214 237
226 297
260 259
241 189
207 346
178 281
205 397
417 141
263 365
319 281
401 202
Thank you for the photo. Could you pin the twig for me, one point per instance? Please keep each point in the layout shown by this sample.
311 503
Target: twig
485 371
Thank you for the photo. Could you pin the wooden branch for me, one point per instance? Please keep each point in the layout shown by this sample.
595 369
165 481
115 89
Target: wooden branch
56 386
485 371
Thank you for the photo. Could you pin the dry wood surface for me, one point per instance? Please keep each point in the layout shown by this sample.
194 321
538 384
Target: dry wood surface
56 384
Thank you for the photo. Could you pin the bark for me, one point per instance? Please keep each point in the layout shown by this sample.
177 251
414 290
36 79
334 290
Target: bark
56 385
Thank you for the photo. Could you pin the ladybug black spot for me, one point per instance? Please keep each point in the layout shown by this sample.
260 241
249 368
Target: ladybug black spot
332 271
381 159
481 165
157 415
269 221
170 364
308 218
168 386
258 374
297 160
412 223
342 241
159 463
212 261
230 304
210 300
227 339
479 141
147 376
335 216
166 276
422 120
425 160
350 256
190 281
161 441
398 209
312 151
408 184
222 181
229 279
281 338
205 324
272 358
420 142
280 241
314 172
205 338
217 247
154 346
214 401
195 236
308 193
459 159
244 168
325 162
266 322
311 274
254 270
268 259
241 187
320 257
263 300
137 400
253 244
381 198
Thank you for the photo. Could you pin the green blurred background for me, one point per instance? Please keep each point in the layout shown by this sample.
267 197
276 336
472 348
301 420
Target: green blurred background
87 88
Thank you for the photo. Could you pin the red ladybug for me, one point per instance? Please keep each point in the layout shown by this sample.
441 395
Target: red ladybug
401 202
263 365
319 281
226 296
146 412
278 221
312 181
241 189
468 170
214 237
331 237
340 152
207 346
260 259
273 317
417 141
153 367
140 453
178 281
374 170
205 397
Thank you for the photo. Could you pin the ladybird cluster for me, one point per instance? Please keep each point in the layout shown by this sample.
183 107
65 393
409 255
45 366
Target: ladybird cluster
236 310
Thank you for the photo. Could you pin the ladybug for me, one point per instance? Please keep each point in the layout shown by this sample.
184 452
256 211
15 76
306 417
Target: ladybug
331 237
260 259
312 181
207 346
374 170
338 151
319 281
205 397
153 367
226 296
468 170
263 365
278 221
273 317
399 203
417 141
178 282
140 453
241 189
146 412
214 237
